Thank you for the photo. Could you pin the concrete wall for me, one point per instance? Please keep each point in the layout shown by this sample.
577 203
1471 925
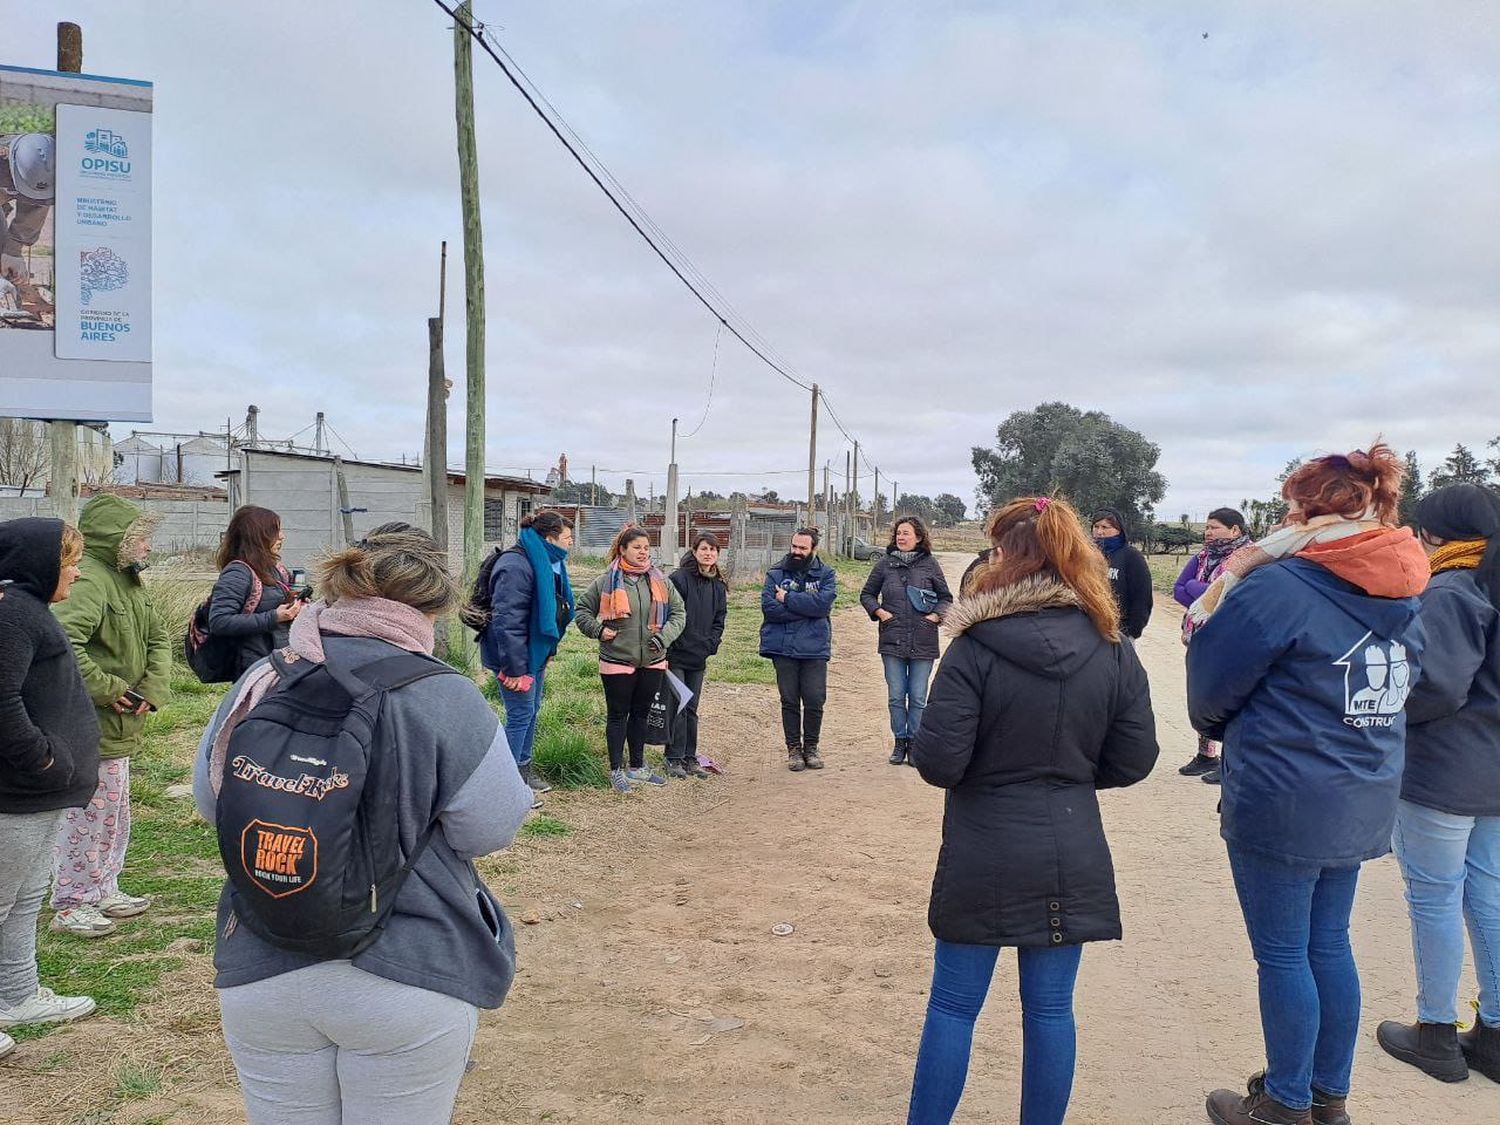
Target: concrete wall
187 525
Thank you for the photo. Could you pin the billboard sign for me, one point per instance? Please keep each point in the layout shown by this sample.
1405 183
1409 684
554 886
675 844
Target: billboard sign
75 246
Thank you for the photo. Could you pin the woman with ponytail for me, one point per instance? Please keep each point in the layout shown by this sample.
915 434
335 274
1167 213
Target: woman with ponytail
1304 649
635 614
1448 822
1038 704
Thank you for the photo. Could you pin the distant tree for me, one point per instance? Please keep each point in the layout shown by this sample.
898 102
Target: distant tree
770 497
581 492
1459 467
952 508
1411 489
911 504
1494 462
708 494
1183 519
1170 537
1088 457
24 452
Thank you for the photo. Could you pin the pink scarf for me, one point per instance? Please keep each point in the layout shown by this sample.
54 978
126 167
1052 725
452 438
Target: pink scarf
399 624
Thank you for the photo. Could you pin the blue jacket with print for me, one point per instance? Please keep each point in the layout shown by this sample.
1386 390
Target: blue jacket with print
798 627
1304 677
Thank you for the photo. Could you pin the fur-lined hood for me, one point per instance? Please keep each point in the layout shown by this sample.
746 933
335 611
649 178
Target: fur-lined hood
112 529
1013 622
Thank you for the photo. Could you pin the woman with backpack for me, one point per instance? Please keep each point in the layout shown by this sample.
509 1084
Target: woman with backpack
1448 822
1223 534
253 605
1038 704
379 1030
705 596
635 614
907 595
1305 647
49 754
521 606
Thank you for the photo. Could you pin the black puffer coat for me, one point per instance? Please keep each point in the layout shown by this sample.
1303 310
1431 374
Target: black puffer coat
1031 712
908 634
707 602
253 635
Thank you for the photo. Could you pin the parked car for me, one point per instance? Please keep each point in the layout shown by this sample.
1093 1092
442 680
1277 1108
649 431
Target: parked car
863 551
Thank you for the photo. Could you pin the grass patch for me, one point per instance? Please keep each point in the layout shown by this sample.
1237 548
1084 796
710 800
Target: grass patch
542 825
133 1080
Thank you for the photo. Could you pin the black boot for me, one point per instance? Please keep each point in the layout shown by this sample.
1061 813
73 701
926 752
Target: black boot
898 755
811 758
1481 1048
1200 765
1430 1047
794 759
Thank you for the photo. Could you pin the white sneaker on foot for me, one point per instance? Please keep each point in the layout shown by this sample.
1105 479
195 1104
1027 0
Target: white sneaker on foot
81 921
47 1006
7 1044
122 905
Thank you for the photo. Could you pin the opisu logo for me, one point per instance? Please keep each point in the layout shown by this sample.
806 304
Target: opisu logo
280 859
247 769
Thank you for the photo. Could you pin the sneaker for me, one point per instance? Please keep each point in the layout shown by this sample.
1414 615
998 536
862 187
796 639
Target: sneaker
81 921
1200 765
122 905
677 770
528 774
694 768
618 782
645 776
536 800
811 756
47 1006
7 1044
1211 777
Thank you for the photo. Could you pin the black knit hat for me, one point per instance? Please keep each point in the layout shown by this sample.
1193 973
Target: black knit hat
1467 511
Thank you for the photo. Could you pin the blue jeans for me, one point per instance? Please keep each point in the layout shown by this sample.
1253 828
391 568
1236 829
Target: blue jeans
1298 920
960 979
906 691
1452 869
521 711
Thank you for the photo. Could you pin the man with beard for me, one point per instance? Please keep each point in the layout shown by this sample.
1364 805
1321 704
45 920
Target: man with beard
797 636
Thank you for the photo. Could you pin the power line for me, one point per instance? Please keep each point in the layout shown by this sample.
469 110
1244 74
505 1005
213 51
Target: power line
713 375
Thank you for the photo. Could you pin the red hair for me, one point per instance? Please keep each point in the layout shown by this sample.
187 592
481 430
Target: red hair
1348 485
1042 535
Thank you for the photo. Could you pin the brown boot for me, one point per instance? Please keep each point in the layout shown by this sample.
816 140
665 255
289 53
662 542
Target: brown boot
1225 1107
1326 1108
812 758
794 759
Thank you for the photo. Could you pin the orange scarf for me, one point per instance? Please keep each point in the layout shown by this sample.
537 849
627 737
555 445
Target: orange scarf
614 598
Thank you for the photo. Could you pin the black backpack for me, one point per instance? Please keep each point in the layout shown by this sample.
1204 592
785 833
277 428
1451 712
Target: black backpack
216 660
307 809
475 613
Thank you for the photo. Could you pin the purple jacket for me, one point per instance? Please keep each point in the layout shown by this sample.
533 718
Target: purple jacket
1188 589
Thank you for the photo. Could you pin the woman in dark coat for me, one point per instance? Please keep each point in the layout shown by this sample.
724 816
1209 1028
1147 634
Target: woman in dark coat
907 595
1038 704
1129 576
253 605
706 596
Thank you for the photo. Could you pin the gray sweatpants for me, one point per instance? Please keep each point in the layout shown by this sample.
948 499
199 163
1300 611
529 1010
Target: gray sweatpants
25 870
335 1045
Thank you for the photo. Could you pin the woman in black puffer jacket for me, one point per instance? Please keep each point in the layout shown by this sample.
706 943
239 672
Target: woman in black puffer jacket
1038 704
705 595
253 604
908 595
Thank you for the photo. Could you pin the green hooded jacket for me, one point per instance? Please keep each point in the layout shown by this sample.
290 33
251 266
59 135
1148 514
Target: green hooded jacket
117 633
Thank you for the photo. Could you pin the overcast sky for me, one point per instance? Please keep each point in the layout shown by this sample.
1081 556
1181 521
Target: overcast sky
1277 239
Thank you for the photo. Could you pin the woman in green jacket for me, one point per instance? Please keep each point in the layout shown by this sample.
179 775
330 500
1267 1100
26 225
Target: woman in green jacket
635 614
125 655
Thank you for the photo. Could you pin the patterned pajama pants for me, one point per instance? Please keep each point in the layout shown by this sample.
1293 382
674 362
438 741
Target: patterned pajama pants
90 849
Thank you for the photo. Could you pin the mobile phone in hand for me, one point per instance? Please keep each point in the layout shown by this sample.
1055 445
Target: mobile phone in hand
135 699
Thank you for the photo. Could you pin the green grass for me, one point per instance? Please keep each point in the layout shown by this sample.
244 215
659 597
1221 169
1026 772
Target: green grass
542 825
133 1080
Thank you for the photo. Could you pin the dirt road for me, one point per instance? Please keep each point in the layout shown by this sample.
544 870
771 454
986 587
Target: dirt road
653 989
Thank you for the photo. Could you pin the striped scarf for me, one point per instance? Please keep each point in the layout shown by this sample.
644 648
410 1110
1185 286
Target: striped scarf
1459 554
614 599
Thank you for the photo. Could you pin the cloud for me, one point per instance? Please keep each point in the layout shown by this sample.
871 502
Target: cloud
1270 241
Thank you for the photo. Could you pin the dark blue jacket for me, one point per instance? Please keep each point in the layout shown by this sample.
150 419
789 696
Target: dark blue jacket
1453 715
798 627
1304 678
503 646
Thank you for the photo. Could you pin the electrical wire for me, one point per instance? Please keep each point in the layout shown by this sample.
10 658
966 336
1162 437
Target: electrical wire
713 375
476 33
329 426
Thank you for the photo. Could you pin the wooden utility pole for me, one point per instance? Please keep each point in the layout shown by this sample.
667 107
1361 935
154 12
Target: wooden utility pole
64 432
854 501
812 461
895 497
875 508
468 179
347 512
436 459
594 485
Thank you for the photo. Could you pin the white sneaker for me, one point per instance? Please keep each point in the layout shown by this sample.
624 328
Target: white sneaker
7 1044
81 921
122 905
47 1007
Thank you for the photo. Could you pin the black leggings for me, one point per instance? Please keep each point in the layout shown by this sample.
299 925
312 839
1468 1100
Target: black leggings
628 698
803 685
